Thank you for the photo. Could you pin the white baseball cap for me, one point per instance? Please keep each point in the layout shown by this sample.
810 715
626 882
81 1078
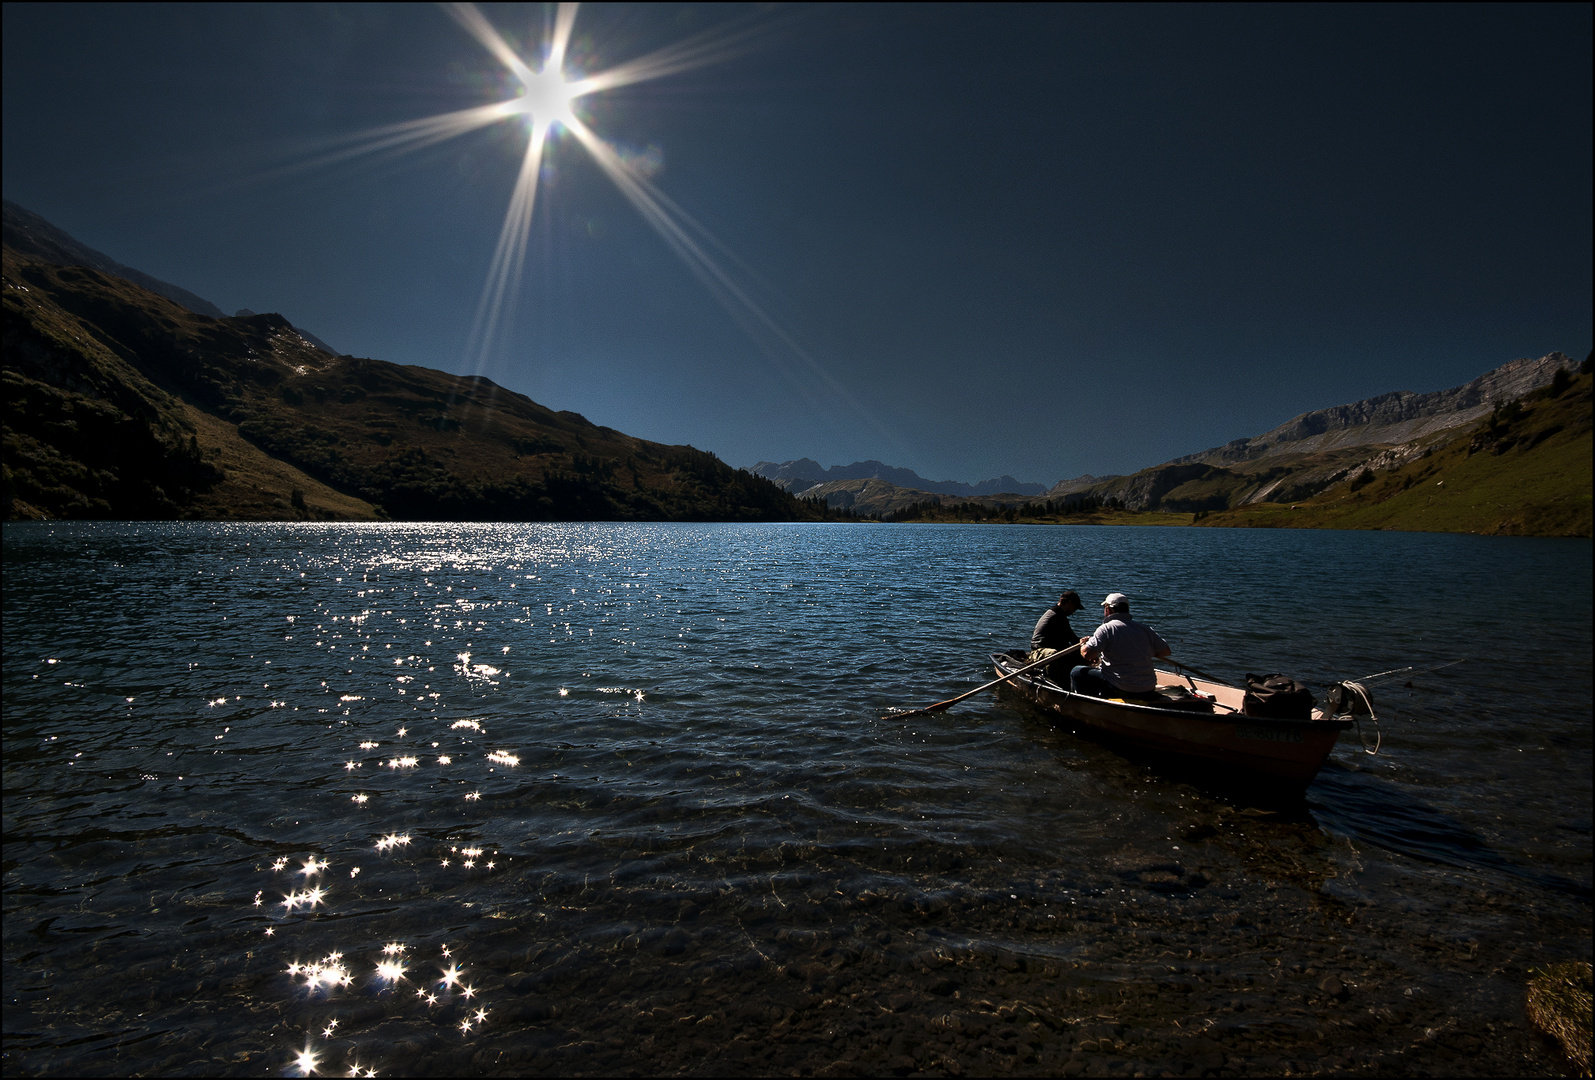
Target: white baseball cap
1116 599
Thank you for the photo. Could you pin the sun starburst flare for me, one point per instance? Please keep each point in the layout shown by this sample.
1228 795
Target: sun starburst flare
545 99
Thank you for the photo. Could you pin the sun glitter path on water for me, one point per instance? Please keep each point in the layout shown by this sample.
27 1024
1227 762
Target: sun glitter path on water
329 982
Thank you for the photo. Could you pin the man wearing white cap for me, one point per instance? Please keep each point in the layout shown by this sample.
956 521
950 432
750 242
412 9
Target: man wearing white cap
1122 651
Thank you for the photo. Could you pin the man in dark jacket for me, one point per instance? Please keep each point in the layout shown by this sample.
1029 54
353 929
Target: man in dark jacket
1053 633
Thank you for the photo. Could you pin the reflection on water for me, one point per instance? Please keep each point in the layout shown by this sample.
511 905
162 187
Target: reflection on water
609 798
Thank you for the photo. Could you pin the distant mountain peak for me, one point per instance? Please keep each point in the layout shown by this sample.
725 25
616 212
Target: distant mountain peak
801 474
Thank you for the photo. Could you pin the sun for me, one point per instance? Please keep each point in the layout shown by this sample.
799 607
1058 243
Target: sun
548 100
545 107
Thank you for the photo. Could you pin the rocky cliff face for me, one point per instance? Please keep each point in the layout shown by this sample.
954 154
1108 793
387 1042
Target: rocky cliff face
791 475
1318 449
1078 484
1393 418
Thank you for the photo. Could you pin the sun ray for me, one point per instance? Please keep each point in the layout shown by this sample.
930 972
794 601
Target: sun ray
476 24
544 105
509 257
675 227
564 23
388 140
416 134
710 47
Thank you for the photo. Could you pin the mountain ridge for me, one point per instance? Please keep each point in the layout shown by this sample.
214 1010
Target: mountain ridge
1523 469
122 403
29 234
1306 454
803 474
1317 449
1396 417
245 313
1296 460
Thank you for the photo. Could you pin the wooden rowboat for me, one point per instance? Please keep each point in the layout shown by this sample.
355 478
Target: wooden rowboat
1207 724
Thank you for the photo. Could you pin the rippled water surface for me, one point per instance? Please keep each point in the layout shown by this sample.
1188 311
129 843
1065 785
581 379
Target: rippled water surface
590 798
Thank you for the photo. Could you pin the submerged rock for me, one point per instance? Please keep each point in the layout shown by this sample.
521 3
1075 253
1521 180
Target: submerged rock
1560 1005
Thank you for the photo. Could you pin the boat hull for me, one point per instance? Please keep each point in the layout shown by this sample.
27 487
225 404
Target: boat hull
1280 752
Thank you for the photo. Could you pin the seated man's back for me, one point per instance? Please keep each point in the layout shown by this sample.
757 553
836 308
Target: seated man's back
1122 651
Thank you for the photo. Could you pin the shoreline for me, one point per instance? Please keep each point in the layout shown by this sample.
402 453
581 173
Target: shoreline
1147 519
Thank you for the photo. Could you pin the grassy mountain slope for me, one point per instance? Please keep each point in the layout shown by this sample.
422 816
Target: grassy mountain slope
29 234
1197 486
1317 450
86 433
1524 470
120 403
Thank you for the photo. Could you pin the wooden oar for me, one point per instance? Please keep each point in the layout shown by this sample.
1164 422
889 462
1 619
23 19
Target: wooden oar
940 705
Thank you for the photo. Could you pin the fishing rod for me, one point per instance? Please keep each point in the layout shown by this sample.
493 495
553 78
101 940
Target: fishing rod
1391 674
1414 670
1198 672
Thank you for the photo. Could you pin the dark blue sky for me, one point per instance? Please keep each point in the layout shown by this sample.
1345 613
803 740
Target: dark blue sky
1032 240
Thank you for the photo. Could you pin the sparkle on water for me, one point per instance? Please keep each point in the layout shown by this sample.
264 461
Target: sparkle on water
780 742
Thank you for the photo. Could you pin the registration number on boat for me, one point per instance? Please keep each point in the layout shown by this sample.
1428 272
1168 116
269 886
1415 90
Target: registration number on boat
1266 734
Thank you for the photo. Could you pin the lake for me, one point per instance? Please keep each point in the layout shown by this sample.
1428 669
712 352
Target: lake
618 798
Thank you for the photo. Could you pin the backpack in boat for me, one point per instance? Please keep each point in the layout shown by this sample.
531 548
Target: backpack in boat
1277 698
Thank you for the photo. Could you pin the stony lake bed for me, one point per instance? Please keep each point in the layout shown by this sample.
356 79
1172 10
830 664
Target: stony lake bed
599 799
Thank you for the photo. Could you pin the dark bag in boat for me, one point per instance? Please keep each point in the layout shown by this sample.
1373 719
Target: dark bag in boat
1277 698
